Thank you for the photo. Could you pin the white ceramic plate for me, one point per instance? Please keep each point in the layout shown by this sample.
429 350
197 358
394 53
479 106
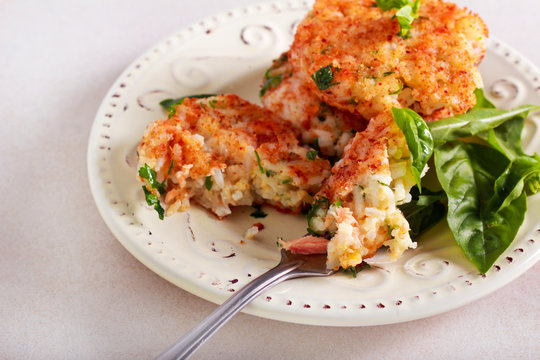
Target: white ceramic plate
229 53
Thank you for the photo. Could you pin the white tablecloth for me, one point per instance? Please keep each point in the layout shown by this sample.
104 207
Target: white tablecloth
69 290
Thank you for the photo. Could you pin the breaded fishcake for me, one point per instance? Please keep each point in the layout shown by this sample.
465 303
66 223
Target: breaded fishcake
357 206
288 96
223 151
352 49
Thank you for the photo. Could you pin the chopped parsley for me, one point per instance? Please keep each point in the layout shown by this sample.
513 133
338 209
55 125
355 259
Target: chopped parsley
258 213
389 234
388 73
259 162
286 181
312 154
380 182
356 269
153 200
407 12
270 82
208 183
398 90
171 104
270 173
316 144
150 175
170 167
324 77
319 203
326 49
337 203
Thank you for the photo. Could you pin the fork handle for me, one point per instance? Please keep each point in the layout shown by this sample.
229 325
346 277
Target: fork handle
189 343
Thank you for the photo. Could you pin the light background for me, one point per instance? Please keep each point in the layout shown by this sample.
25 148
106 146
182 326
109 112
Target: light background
69 290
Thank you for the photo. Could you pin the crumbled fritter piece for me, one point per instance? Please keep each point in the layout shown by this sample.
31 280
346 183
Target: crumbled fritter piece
321 125
353 50
359 212
223 151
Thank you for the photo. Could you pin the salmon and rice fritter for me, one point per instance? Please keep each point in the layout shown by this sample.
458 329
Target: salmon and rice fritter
371 68
288 96
223 151
329 97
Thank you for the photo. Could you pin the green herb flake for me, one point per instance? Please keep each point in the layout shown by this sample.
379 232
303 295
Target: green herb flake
324 77
337 203
312 154
319 203
170 168
153 200
356 269
270 173
208 183
388 73
259 162
150 175
398 91
270 82
316 145
258 213
326 49
286 181
212 103
389 234
384 184
407 12
170 104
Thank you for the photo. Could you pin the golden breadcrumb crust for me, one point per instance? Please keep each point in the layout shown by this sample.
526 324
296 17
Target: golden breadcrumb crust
434 72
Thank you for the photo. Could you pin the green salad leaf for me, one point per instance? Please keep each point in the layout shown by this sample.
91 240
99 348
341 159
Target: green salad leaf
468 173
418 138
474 122
482 102
424 211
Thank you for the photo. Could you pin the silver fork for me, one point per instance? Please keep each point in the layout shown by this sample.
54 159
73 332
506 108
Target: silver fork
291 266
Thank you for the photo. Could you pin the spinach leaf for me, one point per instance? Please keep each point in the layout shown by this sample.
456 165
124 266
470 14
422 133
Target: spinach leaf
474 122
467 173
482 101
507 137
170 104
423 211
510 185
418 138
